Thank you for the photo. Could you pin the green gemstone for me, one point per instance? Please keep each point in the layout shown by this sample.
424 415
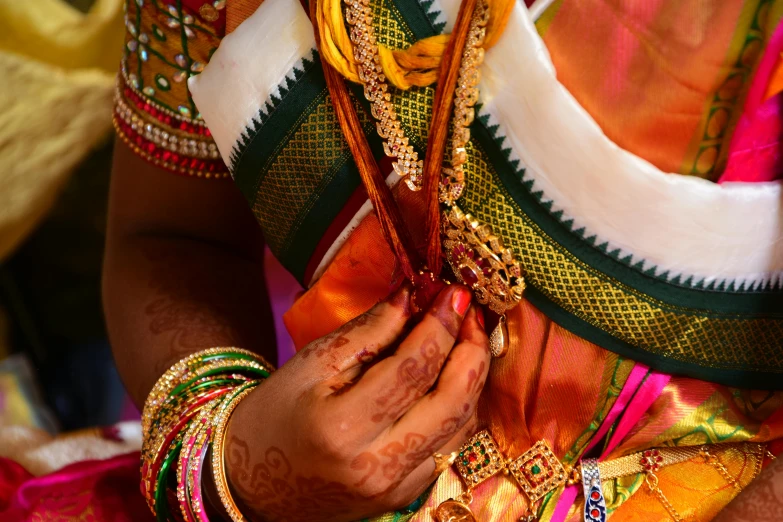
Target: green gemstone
465 462
483 451
535 469
470 471
461 453
486 462
477 444
478 467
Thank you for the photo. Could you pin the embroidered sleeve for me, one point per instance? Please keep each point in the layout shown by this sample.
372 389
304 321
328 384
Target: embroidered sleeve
166 42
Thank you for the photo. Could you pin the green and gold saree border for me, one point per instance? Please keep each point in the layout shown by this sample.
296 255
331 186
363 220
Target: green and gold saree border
292 163
716 334
295 169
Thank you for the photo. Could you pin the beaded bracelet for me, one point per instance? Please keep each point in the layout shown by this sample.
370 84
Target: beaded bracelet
188 406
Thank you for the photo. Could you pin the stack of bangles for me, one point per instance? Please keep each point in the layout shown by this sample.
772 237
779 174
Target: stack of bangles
185 419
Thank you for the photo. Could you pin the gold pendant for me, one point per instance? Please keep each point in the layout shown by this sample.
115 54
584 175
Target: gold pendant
498 339
454 511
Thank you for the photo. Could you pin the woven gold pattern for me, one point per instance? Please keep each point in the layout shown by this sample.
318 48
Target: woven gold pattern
298 174
682 334
309 157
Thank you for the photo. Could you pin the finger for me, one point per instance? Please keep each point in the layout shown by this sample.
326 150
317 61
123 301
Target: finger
459 386
363 338
388 389
421 473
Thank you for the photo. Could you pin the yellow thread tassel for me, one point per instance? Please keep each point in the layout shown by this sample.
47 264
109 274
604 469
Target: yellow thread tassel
418 65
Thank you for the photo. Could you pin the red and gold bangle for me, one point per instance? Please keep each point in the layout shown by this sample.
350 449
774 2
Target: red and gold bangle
153 457
165 139
181 416
196 443
186 369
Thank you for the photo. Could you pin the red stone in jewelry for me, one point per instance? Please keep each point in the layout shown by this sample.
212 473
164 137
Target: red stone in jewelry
651 460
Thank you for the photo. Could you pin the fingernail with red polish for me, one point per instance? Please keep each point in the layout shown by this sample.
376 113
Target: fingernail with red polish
460 300
480 316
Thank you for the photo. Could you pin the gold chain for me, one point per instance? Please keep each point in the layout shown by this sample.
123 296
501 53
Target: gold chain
358 14
652 482
650 461
645 461
718 465
477 256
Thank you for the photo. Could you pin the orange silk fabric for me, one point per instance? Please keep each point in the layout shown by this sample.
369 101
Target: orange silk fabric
556 386
664 79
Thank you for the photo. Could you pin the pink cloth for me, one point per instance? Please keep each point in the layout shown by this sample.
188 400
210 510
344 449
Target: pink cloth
636 397
103 491
635 378
755 150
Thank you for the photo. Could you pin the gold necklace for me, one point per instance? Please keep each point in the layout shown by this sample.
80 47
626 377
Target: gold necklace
407 165
537 472
476 255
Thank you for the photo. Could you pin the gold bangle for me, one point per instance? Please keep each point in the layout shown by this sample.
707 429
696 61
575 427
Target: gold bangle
218 454
187 368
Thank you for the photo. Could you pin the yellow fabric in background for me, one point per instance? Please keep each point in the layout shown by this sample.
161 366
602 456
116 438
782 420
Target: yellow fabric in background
57 69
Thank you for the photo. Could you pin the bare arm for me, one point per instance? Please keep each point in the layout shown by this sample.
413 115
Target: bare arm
183 271
761 501
353 429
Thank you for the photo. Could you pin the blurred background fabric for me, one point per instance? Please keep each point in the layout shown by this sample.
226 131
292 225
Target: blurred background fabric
58 62
58 66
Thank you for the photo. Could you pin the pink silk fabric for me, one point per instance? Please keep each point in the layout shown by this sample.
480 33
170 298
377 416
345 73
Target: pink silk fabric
99 491
639 393
755 149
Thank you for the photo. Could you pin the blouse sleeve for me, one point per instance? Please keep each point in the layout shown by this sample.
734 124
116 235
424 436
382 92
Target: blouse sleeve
166 42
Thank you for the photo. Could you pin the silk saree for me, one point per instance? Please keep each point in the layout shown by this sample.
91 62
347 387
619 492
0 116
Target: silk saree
653 313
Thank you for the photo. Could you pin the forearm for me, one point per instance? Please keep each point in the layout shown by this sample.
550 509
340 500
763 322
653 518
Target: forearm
183 271
167 297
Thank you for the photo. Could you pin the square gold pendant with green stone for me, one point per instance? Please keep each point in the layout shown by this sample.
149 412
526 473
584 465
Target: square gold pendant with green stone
479 459
537 471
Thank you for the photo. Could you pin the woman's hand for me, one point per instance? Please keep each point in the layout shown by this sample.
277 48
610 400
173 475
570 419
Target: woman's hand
343 432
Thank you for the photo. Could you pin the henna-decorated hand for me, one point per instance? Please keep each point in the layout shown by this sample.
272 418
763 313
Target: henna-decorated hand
342 432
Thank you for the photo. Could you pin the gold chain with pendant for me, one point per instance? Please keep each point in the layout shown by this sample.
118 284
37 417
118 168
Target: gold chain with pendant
476 255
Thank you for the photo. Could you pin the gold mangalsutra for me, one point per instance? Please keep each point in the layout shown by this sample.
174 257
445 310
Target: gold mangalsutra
476 255
479 260
407 165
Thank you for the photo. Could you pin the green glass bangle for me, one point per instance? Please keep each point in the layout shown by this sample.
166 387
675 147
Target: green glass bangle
179 399
217 382
227 355
161 502
228 369
200 386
